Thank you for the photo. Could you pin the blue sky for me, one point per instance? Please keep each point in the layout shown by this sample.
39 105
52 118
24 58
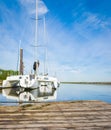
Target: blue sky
78 37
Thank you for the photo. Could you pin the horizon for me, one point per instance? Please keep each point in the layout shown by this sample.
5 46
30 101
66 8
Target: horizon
78 37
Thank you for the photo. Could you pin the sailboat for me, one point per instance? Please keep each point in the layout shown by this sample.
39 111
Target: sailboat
31 80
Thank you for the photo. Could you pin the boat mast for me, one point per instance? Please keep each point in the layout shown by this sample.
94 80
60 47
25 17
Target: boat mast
36 39
44 44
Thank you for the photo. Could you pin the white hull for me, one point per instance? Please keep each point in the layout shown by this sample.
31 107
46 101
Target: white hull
30 81
30 88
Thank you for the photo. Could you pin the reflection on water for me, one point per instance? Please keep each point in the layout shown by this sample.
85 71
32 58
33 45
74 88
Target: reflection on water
20 94
66 92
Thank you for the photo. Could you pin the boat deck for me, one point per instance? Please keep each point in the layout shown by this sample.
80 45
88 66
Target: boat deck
76 115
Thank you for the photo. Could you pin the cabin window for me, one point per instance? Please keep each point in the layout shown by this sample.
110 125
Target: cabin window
32 77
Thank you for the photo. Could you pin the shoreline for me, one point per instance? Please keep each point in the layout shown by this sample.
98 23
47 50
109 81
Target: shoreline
99 83
74 82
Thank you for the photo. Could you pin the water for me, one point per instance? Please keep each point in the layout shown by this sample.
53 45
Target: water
73 92
70 92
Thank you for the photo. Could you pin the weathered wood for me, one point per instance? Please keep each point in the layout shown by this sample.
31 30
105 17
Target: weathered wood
21 62
78 115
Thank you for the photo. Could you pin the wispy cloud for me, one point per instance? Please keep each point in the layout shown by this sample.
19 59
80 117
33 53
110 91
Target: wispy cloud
90 25
95 21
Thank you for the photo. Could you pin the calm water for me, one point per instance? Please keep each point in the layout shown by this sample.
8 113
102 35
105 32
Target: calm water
71 92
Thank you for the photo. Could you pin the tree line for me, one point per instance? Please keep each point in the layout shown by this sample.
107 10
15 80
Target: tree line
5 73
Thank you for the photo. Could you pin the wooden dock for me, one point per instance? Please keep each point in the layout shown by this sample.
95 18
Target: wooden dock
76 115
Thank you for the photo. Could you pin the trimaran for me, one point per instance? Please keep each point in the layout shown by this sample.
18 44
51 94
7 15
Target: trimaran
31 80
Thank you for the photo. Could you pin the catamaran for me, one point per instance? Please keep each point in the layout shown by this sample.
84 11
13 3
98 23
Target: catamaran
31 80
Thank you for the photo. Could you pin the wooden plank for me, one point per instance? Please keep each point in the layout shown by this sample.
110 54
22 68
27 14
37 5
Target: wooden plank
80 115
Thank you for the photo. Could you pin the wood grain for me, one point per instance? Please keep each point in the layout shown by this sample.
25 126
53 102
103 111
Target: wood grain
77 115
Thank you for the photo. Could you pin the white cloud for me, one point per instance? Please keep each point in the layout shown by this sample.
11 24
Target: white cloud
42 8
30 5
